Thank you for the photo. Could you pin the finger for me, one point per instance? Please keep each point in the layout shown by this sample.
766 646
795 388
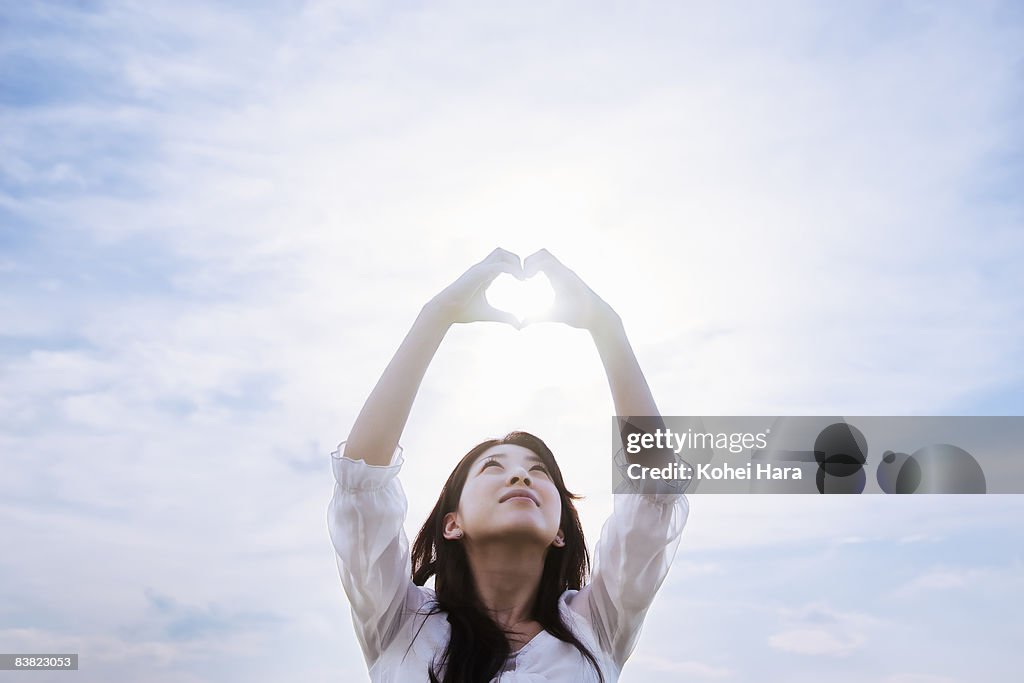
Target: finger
488 313
479 277
500 255
488 271
533 263
543 261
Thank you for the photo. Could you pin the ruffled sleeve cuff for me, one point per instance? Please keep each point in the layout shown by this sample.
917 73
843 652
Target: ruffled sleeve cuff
358 475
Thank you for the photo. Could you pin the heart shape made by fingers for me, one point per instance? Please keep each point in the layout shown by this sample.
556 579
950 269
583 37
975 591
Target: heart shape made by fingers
522 298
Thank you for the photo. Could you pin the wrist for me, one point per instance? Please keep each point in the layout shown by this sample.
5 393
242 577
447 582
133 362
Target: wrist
606 325
435 315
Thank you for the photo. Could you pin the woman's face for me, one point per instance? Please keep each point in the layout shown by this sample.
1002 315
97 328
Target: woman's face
509 494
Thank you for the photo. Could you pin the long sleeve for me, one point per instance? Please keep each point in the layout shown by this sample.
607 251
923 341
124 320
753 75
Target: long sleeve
631 560
365 521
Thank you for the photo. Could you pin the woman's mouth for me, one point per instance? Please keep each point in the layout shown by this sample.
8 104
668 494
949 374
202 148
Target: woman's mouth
520 494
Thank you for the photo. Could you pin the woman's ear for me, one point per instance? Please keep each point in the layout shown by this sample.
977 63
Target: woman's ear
559 541
451 527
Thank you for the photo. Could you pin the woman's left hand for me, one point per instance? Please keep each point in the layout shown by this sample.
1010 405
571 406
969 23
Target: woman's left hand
575 304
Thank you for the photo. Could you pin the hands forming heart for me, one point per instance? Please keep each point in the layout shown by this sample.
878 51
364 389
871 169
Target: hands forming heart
563 298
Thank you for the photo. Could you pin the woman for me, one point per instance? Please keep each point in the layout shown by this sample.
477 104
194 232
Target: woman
503 542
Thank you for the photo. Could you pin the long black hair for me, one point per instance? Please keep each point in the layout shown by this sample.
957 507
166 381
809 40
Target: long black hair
478 647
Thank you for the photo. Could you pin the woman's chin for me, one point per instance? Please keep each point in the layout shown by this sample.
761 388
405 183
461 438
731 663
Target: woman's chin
517 534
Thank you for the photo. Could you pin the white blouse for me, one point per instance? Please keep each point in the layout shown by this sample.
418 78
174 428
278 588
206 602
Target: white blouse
400 641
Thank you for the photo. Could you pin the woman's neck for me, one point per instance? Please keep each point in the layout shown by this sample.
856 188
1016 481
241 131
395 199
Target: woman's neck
507 578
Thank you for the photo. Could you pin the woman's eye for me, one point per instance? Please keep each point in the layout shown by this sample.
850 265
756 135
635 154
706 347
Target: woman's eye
539 468
489 463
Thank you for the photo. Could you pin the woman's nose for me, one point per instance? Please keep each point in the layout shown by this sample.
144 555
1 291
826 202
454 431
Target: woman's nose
519 475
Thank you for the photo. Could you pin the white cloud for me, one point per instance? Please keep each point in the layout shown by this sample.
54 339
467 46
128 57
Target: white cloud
817 629
817 642
1002 580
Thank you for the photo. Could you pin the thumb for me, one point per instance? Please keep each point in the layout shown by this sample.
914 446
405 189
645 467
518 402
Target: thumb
491 314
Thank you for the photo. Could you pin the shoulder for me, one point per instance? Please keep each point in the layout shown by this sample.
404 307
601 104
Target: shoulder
575 610
567 598
421 600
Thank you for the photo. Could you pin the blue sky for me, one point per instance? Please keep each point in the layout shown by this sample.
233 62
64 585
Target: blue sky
217 222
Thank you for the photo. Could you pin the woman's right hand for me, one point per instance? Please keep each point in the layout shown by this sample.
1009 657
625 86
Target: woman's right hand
463 301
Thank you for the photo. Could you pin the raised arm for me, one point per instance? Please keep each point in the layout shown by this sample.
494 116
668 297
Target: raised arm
639 540
577 305
380 423
368 508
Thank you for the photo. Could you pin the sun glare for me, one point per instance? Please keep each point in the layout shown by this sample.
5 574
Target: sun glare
523 299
